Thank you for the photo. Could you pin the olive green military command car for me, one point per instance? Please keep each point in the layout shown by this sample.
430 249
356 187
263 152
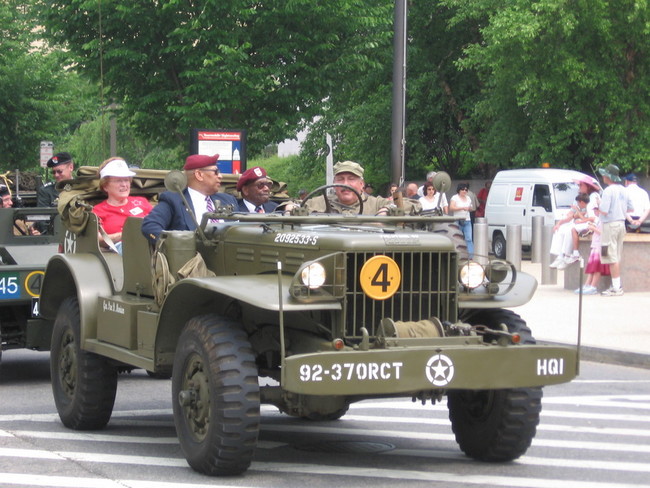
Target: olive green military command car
327 309
28 238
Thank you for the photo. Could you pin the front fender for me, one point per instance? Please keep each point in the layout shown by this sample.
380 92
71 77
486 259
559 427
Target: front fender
520 294
80 275
197 296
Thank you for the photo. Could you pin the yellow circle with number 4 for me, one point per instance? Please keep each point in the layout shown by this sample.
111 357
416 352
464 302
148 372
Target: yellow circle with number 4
380 277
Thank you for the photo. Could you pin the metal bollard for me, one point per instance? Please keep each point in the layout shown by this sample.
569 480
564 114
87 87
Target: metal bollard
513 245
549 275
536 239
481 241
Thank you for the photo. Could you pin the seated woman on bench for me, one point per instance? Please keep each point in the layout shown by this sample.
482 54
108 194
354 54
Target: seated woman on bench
115 181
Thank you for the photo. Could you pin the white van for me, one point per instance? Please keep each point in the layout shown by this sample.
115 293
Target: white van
517 195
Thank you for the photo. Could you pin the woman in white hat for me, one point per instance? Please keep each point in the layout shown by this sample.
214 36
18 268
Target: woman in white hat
115 180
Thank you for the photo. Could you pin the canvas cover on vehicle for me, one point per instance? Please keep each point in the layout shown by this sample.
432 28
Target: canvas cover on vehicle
76 196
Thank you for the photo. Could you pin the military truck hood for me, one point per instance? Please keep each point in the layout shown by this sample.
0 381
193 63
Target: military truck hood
343 237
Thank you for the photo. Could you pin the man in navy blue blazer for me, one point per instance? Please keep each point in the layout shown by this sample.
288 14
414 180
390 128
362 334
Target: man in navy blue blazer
203 183
255 187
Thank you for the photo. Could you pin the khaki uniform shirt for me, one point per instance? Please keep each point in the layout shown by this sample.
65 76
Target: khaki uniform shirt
371 205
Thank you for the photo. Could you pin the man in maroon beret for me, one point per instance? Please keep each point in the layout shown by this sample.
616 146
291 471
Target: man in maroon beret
255 187
202 195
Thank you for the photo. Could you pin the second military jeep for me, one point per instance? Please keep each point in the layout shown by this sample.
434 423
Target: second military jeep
28 238
329 309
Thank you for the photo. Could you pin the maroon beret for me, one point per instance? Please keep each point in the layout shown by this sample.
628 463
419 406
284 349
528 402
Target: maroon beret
250 175
198 161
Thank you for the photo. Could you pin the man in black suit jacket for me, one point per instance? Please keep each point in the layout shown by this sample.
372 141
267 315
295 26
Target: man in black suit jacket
255 188
203 182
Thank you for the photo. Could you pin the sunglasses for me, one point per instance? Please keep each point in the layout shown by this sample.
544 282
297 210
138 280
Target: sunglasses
262 184
58 171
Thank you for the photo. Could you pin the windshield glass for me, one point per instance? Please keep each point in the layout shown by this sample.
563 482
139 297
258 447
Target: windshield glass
565 194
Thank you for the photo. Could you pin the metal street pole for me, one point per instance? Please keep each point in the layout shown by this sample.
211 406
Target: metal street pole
398 138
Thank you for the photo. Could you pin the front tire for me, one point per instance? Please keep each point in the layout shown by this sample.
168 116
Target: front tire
496 425
215 395
83 384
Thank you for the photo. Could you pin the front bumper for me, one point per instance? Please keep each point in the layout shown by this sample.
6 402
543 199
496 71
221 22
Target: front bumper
405 370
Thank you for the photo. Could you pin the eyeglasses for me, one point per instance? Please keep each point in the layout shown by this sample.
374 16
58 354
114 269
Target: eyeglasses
263 184
211 170
58 171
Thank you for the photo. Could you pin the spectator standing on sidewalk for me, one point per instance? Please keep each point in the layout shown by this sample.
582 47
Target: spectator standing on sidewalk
595 268
460 206
482 199
421 192
640 203
613 212
472 197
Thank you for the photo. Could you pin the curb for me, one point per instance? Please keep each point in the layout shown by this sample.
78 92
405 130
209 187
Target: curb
609 356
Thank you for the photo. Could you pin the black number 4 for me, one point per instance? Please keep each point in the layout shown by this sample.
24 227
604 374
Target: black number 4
381 277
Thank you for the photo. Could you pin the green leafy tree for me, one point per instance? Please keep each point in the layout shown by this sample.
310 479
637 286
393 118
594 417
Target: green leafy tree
39 98
439 96
564 82
174 65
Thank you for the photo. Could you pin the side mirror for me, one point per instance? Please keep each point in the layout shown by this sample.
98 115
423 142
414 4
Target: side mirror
176 181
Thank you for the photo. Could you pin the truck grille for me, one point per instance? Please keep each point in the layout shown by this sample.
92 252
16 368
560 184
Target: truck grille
428 289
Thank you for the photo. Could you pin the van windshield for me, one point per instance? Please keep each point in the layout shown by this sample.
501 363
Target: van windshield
565 194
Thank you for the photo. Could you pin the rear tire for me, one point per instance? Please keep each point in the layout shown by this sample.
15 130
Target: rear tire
215 395
496 425
456 235
83 384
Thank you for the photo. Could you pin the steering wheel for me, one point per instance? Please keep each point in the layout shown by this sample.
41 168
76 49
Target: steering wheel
328 206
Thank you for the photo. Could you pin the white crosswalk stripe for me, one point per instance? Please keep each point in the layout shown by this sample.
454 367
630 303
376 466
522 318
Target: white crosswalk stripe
617 426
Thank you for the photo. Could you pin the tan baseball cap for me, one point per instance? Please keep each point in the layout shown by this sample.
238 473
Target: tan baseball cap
348 167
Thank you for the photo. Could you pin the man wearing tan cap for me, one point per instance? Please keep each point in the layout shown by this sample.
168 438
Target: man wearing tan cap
203 183
346 201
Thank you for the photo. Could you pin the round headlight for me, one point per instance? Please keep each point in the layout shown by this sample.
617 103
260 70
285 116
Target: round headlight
313 276
471 275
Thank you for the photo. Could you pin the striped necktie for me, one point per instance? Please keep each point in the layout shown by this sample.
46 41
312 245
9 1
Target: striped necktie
259 209
209 207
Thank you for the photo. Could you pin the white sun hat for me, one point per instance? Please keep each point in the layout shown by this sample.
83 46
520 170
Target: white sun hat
117 168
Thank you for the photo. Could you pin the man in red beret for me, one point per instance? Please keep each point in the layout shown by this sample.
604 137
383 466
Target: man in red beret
202 195
255 188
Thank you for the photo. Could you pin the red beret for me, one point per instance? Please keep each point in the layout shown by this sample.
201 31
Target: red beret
197 161
250 175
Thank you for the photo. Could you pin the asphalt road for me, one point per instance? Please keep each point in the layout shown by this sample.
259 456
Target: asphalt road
594 433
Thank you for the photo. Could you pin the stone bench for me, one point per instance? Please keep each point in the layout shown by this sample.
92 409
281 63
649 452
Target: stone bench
635 265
